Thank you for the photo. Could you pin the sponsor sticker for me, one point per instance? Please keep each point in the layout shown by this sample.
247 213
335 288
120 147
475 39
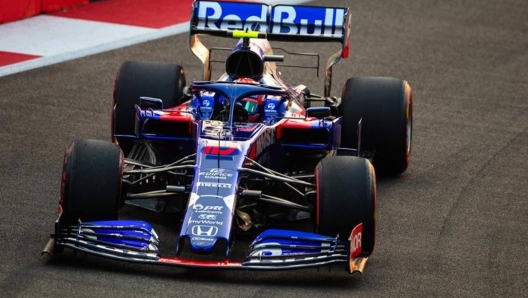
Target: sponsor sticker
307 20
216 174
206 106
266 139
214 184
219 150
203 230
199 208
232 16
271 108
283 19
206 222
202 241
207 216
355 241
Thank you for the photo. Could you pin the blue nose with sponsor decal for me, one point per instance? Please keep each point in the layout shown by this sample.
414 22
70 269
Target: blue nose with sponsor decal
209 219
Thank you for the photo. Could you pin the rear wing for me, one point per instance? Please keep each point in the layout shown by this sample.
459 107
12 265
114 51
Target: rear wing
278 22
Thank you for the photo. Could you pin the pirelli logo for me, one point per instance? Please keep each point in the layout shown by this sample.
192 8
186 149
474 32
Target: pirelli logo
214 184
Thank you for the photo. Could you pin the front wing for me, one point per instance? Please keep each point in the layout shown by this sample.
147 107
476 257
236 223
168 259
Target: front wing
136 241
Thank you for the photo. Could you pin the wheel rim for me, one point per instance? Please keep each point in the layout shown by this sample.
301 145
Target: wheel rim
409 136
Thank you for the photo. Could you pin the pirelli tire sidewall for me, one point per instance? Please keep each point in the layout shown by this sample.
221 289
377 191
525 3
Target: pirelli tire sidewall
385 107
346 196
91 182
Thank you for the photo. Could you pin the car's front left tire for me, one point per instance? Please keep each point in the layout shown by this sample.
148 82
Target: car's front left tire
346 197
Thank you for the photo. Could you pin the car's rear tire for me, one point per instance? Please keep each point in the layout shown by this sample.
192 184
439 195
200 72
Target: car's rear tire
346 197
91 182
136 79
385 107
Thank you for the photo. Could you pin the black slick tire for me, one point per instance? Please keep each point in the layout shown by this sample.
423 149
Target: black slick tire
136 79
346 197
91 182
385 107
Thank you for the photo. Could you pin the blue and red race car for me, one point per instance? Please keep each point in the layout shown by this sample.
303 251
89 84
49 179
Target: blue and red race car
247 154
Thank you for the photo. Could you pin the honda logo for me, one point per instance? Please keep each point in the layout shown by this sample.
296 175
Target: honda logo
199 230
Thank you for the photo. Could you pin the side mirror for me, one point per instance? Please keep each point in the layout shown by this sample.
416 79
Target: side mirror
150 102
318 112
273 58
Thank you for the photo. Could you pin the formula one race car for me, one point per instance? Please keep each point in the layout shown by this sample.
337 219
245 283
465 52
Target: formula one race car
246 154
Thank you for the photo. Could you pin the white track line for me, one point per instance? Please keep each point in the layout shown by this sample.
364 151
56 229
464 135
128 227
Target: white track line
94 48
56 35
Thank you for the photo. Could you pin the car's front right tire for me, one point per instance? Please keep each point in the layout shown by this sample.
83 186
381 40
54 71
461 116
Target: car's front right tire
135 79
91 182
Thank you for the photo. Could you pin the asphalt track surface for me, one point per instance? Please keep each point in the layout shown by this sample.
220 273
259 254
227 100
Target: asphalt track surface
454 225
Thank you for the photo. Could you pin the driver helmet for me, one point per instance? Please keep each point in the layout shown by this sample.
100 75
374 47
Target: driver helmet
252 103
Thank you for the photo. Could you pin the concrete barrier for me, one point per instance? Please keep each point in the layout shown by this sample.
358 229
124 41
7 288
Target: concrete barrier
54 5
